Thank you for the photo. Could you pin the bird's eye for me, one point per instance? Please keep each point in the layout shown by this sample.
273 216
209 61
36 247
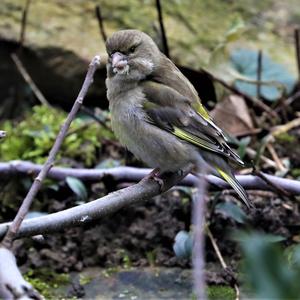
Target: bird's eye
132 49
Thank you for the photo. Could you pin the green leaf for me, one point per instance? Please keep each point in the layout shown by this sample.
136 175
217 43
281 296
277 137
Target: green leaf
77 187
245 61
232 211
183 244
235 31
266 268
108 163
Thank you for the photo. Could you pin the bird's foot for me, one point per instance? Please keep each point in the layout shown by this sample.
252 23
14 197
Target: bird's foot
154 175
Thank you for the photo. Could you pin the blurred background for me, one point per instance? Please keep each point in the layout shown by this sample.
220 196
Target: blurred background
242 56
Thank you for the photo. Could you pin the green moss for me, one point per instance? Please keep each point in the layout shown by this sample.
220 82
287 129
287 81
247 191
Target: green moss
32 138
296 172
47 282
220 292
285 138
84 279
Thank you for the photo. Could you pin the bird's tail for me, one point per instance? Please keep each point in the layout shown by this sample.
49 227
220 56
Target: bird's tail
232 181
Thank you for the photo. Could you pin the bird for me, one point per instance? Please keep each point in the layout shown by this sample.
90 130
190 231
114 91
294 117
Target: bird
157 115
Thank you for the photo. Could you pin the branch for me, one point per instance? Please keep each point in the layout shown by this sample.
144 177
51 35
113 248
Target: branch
198 219
15 225
162 29
233 89
29 80
94 210
297 46
12 284
259 71
24 23
131 174
100 22
222 262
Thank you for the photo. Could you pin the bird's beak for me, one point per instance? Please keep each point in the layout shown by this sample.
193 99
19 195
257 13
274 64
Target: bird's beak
118 60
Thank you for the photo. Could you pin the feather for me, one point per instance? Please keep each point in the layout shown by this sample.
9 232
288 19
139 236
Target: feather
232 181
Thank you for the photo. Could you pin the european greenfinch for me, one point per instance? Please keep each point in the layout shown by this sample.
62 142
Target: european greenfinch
157 114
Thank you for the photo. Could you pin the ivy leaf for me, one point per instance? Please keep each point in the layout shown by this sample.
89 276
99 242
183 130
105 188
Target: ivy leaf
183 244
78 187
276 77
232 211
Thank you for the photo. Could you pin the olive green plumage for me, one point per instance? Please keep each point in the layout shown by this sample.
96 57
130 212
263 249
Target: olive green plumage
157 114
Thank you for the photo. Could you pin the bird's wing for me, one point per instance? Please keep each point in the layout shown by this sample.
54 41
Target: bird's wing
167 109
187 120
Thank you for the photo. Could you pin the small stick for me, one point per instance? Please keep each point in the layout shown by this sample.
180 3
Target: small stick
24 23
253 100
297 46
259 71
29 80
94 116
252 154
162 29
285 128
281 191
198 219
100 22
275 157
221 259
23 210
287 102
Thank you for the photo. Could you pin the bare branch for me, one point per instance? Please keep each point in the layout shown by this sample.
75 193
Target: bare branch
29 80
253 100
12 283
100 22
198 219
162 29
221 260
14 227
297 47
94 210
24 23
131 174
259 71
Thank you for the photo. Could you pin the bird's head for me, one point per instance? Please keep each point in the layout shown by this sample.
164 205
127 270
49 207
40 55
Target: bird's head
132 55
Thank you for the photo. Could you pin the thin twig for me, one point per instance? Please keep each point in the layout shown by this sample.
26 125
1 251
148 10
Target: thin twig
253 154
198 218
286 103
162 29
277 188
131 174
94 116
24 23
259 71
252 100
29 80
100 22
285 127
297 46
221 259
276 158
14 227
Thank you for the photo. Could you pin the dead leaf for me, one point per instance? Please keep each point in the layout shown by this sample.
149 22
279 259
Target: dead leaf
233 116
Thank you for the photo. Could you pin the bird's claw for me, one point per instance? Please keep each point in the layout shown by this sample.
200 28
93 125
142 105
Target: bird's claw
154 175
